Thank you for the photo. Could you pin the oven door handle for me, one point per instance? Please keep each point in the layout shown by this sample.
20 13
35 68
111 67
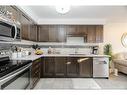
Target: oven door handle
18 72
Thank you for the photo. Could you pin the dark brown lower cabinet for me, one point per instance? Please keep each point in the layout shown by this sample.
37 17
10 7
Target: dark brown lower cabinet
60 67
67 67
35 72
85 67
49 67
72 67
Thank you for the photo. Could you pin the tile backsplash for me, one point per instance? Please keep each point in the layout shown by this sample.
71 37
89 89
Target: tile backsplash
58 47
69 50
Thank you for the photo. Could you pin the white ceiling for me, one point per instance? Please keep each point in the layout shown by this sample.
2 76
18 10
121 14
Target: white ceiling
106 13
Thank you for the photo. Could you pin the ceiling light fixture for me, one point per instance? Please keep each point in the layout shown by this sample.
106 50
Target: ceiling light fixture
63 9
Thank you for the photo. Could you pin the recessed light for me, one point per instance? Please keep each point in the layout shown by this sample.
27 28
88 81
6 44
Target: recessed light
63 9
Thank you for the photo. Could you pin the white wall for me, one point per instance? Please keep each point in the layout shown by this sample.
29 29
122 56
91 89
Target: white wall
112 34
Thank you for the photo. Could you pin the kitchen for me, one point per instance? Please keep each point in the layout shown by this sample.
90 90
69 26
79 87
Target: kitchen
52 49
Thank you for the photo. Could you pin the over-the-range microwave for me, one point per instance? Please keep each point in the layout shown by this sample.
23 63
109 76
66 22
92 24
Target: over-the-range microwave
9 30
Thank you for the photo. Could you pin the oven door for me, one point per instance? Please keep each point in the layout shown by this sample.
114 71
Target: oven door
8 32
18 80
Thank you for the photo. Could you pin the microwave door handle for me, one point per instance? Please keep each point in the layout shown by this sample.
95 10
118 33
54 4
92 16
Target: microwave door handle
15 31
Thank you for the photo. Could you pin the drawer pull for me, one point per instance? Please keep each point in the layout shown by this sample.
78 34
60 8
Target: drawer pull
68 63
82 59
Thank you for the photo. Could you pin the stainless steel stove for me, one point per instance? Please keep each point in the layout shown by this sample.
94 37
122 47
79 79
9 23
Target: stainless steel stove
14 74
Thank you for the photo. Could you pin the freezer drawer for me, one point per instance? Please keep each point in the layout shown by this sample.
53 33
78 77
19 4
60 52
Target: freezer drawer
101 67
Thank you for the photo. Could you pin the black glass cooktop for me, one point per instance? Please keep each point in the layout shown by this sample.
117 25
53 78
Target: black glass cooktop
7 66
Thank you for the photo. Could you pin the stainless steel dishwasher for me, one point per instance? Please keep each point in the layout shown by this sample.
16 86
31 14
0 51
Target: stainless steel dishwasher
101 67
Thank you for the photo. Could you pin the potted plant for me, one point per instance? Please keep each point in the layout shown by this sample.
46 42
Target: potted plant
108 51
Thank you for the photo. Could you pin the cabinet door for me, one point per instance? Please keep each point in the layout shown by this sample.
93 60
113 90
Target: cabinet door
60 67
43 33
15 12
82 29
71 30
99 33
33 32
91 37
49 67
53 33
62 33
25 27
72 67
85 67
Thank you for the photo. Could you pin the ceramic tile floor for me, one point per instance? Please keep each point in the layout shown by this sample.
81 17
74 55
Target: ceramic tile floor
113 82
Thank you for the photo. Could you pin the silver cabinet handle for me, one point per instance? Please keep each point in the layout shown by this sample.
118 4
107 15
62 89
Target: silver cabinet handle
68 63
82 59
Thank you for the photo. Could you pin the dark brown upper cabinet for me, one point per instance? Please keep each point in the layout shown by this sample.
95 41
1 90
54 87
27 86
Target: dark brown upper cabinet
43 33
82 30
99 33
51 33
33 32
91 31
58 33
71 30
25 27
62 33
76 30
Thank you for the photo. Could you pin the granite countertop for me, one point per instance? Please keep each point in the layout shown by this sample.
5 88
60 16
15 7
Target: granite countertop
34 57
